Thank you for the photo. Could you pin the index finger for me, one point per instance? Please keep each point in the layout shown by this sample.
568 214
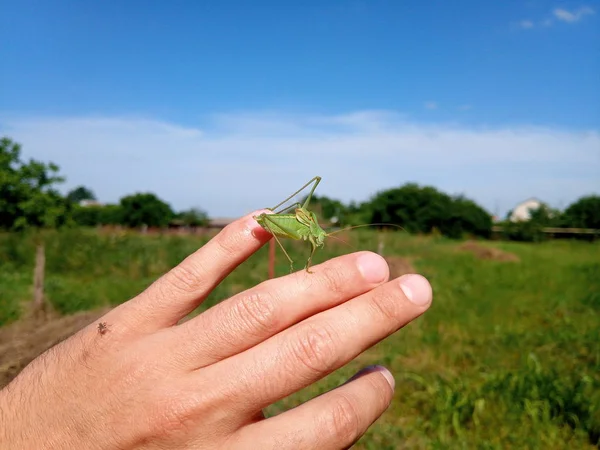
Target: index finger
183 288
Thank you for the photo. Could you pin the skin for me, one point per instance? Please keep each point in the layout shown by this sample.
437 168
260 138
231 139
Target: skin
143 381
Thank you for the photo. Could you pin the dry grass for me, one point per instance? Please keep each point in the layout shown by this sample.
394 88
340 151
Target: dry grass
399 266
23 341
485 252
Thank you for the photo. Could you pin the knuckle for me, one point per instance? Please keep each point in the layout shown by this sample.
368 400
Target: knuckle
315 348
172 417
185 277
335 280
386 305
257 311
343 420
228 242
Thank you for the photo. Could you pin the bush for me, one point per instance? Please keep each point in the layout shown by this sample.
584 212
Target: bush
584 213
423 209
145 209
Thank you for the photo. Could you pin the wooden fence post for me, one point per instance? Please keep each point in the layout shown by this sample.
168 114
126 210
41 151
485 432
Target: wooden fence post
38 279
380 242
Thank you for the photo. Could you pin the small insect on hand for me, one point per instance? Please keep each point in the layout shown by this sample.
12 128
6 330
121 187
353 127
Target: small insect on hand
102 328
301 225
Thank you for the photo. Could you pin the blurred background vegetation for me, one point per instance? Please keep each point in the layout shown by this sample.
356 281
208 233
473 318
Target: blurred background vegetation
507 357
30 199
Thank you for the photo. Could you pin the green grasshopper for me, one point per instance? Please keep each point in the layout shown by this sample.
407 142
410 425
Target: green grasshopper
301 225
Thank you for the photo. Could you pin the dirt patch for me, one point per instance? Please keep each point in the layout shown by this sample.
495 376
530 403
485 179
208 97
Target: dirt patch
23 341
399 266
490 253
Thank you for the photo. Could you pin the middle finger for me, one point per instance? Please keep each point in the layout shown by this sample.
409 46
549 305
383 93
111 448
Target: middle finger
305 353
252 316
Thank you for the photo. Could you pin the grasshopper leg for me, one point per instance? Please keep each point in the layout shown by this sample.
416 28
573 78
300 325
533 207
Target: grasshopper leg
266 222
316 180
287 208
312 252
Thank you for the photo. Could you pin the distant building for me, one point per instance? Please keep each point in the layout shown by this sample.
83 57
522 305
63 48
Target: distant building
220 222
522 212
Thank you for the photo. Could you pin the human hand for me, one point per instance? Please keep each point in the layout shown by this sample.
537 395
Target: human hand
146 381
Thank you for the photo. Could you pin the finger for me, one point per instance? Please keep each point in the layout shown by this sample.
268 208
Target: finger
310 350
250 317
183 288
334 420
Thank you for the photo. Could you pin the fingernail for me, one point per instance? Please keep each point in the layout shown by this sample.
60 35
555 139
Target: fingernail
256 213
417 289
255 228
372 267
386 373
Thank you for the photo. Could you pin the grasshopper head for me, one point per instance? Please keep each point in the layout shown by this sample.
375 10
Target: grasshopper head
320 238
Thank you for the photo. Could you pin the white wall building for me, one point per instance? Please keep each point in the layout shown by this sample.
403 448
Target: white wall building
522 212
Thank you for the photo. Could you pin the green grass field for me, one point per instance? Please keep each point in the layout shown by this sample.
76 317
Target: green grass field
508 356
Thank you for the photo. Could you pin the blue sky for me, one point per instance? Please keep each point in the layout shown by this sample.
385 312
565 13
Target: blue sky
499 101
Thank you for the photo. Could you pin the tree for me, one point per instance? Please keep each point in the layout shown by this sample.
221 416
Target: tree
94 215
87 216
194 217
28 198
358 214
79 194
145 209
584 213
29 202
111 215
424 209
415 208
467 217
329 209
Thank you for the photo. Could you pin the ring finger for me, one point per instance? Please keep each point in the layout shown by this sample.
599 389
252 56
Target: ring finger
310 350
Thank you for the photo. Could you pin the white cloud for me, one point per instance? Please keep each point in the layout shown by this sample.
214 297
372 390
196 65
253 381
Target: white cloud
235 163
560 14
547 22
572 16
526 24
430 105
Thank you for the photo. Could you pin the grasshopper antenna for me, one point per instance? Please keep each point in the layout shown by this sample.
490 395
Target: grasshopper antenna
341 240
366 225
